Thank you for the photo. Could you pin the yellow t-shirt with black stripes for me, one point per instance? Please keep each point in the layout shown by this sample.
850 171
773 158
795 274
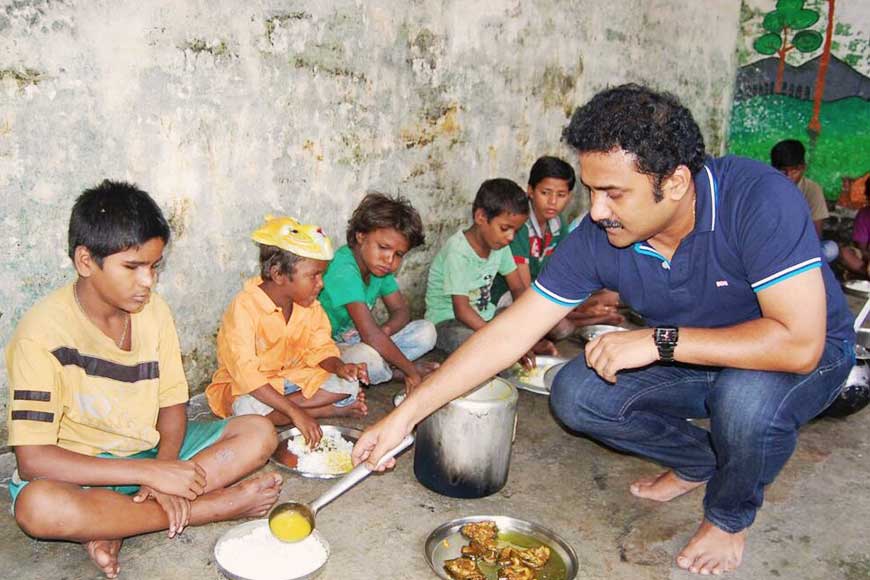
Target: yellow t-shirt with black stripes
71 386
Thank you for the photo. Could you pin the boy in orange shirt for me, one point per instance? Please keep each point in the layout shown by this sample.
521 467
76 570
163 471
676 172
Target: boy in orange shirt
276 356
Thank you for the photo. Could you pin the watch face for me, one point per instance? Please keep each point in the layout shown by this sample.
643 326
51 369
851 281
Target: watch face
666 334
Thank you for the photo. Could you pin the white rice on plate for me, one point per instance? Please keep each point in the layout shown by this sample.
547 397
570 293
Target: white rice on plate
258 555
330 457
859 285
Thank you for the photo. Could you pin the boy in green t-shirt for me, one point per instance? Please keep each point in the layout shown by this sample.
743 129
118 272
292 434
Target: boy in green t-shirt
379 234
551 182
458 299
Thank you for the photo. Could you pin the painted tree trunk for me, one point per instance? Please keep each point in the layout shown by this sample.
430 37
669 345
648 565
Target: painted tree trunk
815 125
780 68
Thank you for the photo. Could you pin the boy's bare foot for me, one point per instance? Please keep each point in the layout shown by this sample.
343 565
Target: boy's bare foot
356 409
663 487
104 553
712 551
426 368
614 319
254 497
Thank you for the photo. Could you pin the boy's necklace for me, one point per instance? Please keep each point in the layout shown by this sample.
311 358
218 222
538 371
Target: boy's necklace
119 343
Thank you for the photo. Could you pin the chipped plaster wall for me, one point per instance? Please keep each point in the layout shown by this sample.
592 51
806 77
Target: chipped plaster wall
227 110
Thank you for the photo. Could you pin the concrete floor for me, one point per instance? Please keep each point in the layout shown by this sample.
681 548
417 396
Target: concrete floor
813 525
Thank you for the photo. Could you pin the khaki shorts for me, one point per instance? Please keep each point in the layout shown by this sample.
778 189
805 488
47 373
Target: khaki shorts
249 405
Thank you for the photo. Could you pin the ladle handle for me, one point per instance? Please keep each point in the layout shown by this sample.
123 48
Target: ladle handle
359 473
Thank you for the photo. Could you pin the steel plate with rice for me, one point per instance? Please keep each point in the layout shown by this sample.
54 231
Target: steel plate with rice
284 457
538 379
446 541
249 551
859 288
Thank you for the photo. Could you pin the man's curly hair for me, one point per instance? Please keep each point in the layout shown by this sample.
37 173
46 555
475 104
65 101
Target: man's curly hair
655 127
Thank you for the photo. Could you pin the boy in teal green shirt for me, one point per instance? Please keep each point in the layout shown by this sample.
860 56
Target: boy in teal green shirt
379 234
458 293
458 270
346 285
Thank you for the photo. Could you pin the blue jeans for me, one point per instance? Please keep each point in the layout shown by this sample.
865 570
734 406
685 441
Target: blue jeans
754 421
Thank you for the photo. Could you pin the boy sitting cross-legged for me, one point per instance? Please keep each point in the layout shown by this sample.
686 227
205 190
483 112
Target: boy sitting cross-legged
380 232
551 181
458 292
275 354
98 397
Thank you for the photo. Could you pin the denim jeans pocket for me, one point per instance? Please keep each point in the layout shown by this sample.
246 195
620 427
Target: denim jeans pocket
848 359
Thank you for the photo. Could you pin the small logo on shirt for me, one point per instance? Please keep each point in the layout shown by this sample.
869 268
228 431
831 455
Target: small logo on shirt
721 283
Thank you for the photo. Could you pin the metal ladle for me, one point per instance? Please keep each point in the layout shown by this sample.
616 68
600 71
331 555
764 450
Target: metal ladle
360 472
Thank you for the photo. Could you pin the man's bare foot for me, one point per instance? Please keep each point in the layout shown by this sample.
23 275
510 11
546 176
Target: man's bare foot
712 551
104 553
356 409
663 487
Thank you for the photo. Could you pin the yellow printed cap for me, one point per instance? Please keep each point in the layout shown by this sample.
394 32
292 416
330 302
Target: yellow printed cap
306 240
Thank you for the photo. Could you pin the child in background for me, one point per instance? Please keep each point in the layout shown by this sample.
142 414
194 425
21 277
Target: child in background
275 354
789 158
98 397
856 257
458 293
381 231
551 182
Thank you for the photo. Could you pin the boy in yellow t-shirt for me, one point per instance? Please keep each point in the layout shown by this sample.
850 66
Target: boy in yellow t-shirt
276 356
98 396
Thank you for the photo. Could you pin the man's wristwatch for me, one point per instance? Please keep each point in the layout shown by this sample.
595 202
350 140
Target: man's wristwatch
666 341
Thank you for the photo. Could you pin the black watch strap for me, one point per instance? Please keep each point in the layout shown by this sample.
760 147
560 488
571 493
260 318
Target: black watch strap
666 338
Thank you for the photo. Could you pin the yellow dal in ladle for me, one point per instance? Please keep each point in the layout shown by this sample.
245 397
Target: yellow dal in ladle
290 526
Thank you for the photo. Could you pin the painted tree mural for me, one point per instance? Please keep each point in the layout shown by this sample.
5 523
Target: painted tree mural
815 125
789 16
815 88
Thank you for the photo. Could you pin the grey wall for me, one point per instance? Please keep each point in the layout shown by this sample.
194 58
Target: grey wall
226 110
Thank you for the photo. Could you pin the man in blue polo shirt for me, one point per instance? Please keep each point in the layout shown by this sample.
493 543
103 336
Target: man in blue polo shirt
750 328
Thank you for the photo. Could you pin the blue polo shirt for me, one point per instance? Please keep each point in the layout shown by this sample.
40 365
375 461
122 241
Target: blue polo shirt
752 230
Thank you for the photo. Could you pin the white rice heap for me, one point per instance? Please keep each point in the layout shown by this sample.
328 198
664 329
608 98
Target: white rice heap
533 376
258 555
330 457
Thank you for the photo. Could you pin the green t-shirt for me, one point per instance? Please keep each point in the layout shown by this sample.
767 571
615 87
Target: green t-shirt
532 247
458 270
343 284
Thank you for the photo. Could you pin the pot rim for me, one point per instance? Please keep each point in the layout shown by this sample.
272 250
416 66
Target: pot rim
510 400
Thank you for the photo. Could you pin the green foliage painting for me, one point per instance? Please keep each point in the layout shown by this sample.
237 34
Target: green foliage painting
789 15
805 74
